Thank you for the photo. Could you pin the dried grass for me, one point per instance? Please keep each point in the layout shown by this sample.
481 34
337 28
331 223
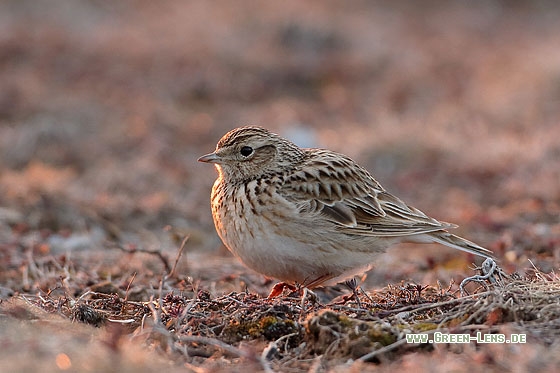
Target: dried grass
294 332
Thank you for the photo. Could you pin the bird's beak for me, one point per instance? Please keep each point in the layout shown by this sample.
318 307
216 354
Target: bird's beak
210 158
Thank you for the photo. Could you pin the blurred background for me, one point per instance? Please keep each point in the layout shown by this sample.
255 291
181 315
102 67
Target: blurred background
105 106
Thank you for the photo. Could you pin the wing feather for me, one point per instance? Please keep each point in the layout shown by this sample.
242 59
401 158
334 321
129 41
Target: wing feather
333 185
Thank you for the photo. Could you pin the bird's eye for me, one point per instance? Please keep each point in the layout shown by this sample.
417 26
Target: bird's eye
246 151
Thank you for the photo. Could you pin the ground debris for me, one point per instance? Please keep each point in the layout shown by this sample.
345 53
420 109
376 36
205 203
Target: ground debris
240 324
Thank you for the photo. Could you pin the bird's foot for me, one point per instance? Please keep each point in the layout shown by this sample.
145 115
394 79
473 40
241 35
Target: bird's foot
279 288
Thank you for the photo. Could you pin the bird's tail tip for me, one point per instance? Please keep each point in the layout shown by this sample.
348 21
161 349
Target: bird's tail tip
459 243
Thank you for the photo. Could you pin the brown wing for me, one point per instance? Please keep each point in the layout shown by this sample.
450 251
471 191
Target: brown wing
335 186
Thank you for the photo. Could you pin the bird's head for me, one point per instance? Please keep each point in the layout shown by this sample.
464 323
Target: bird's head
249 152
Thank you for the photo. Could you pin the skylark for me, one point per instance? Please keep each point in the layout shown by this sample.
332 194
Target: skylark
309 216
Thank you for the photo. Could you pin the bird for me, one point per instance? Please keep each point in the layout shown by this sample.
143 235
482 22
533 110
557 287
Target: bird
307 216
